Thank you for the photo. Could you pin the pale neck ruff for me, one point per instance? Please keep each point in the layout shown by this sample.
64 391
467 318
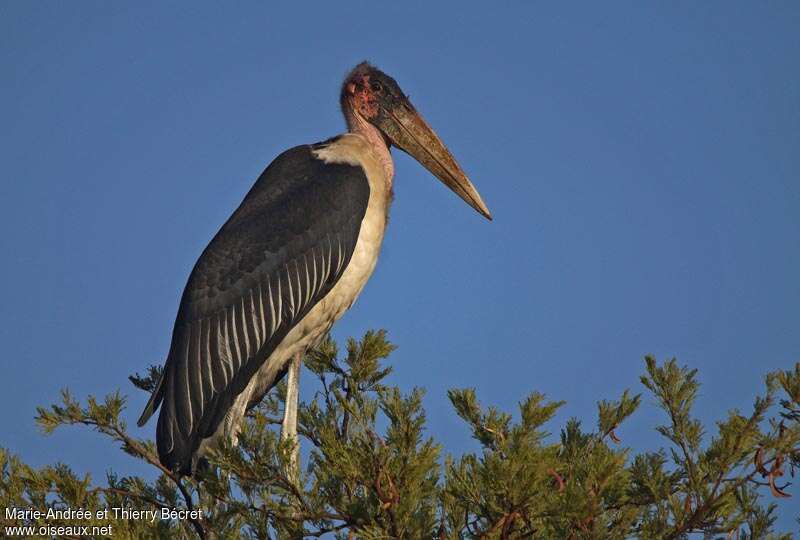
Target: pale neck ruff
357 124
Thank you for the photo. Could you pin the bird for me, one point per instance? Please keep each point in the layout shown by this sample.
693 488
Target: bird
287 264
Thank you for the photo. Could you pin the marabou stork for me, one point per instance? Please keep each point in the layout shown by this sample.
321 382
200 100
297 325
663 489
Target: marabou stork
286 265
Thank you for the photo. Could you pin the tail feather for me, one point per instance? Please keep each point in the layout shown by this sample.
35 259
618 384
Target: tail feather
153 403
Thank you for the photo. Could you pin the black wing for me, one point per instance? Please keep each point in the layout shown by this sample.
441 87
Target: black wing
281 251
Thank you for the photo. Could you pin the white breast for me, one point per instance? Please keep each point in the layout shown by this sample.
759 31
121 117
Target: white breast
355 150
352 149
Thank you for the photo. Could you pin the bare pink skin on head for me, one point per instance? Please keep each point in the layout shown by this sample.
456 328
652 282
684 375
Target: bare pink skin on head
359 105
363 99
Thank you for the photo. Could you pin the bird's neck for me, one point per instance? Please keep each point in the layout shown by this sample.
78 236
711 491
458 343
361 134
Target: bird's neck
357 124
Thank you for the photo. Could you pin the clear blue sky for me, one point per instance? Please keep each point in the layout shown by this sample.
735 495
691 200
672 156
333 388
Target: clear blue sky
642 165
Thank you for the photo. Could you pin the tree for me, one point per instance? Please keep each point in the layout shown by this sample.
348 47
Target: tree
366 481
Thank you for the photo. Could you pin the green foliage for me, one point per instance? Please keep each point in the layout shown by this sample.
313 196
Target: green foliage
371 471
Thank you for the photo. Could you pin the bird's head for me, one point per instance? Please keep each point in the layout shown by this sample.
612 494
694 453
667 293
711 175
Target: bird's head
370 95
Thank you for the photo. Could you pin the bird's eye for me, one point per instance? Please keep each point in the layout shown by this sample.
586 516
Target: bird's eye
376 87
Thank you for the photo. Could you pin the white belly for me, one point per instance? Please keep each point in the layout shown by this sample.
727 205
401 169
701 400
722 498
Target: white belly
352 149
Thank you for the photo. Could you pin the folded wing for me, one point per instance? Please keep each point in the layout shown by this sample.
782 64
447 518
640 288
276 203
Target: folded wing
279 254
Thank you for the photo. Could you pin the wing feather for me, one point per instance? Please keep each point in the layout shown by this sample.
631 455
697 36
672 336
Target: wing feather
196 368
223 348
261 317
217 368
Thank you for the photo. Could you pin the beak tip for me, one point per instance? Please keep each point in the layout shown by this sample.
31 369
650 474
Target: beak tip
482 209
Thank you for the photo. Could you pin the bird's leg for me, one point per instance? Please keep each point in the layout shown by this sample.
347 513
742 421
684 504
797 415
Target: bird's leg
289 427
